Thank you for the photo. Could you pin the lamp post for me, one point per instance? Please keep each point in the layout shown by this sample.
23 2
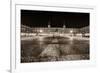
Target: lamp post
71 32
64 26
49 24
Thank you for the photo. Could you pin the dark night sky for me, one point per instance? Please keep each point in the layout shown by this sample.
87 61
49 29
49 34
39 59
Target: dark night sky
41 18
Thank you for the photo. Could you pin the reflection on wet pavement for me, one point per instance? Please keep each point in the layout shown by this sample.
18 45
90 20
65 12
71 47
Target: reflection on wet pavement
54 49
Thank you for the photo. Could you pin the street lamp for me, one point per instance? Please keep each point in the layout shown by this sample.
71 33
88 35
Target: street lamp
41 31
71 32
49 26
